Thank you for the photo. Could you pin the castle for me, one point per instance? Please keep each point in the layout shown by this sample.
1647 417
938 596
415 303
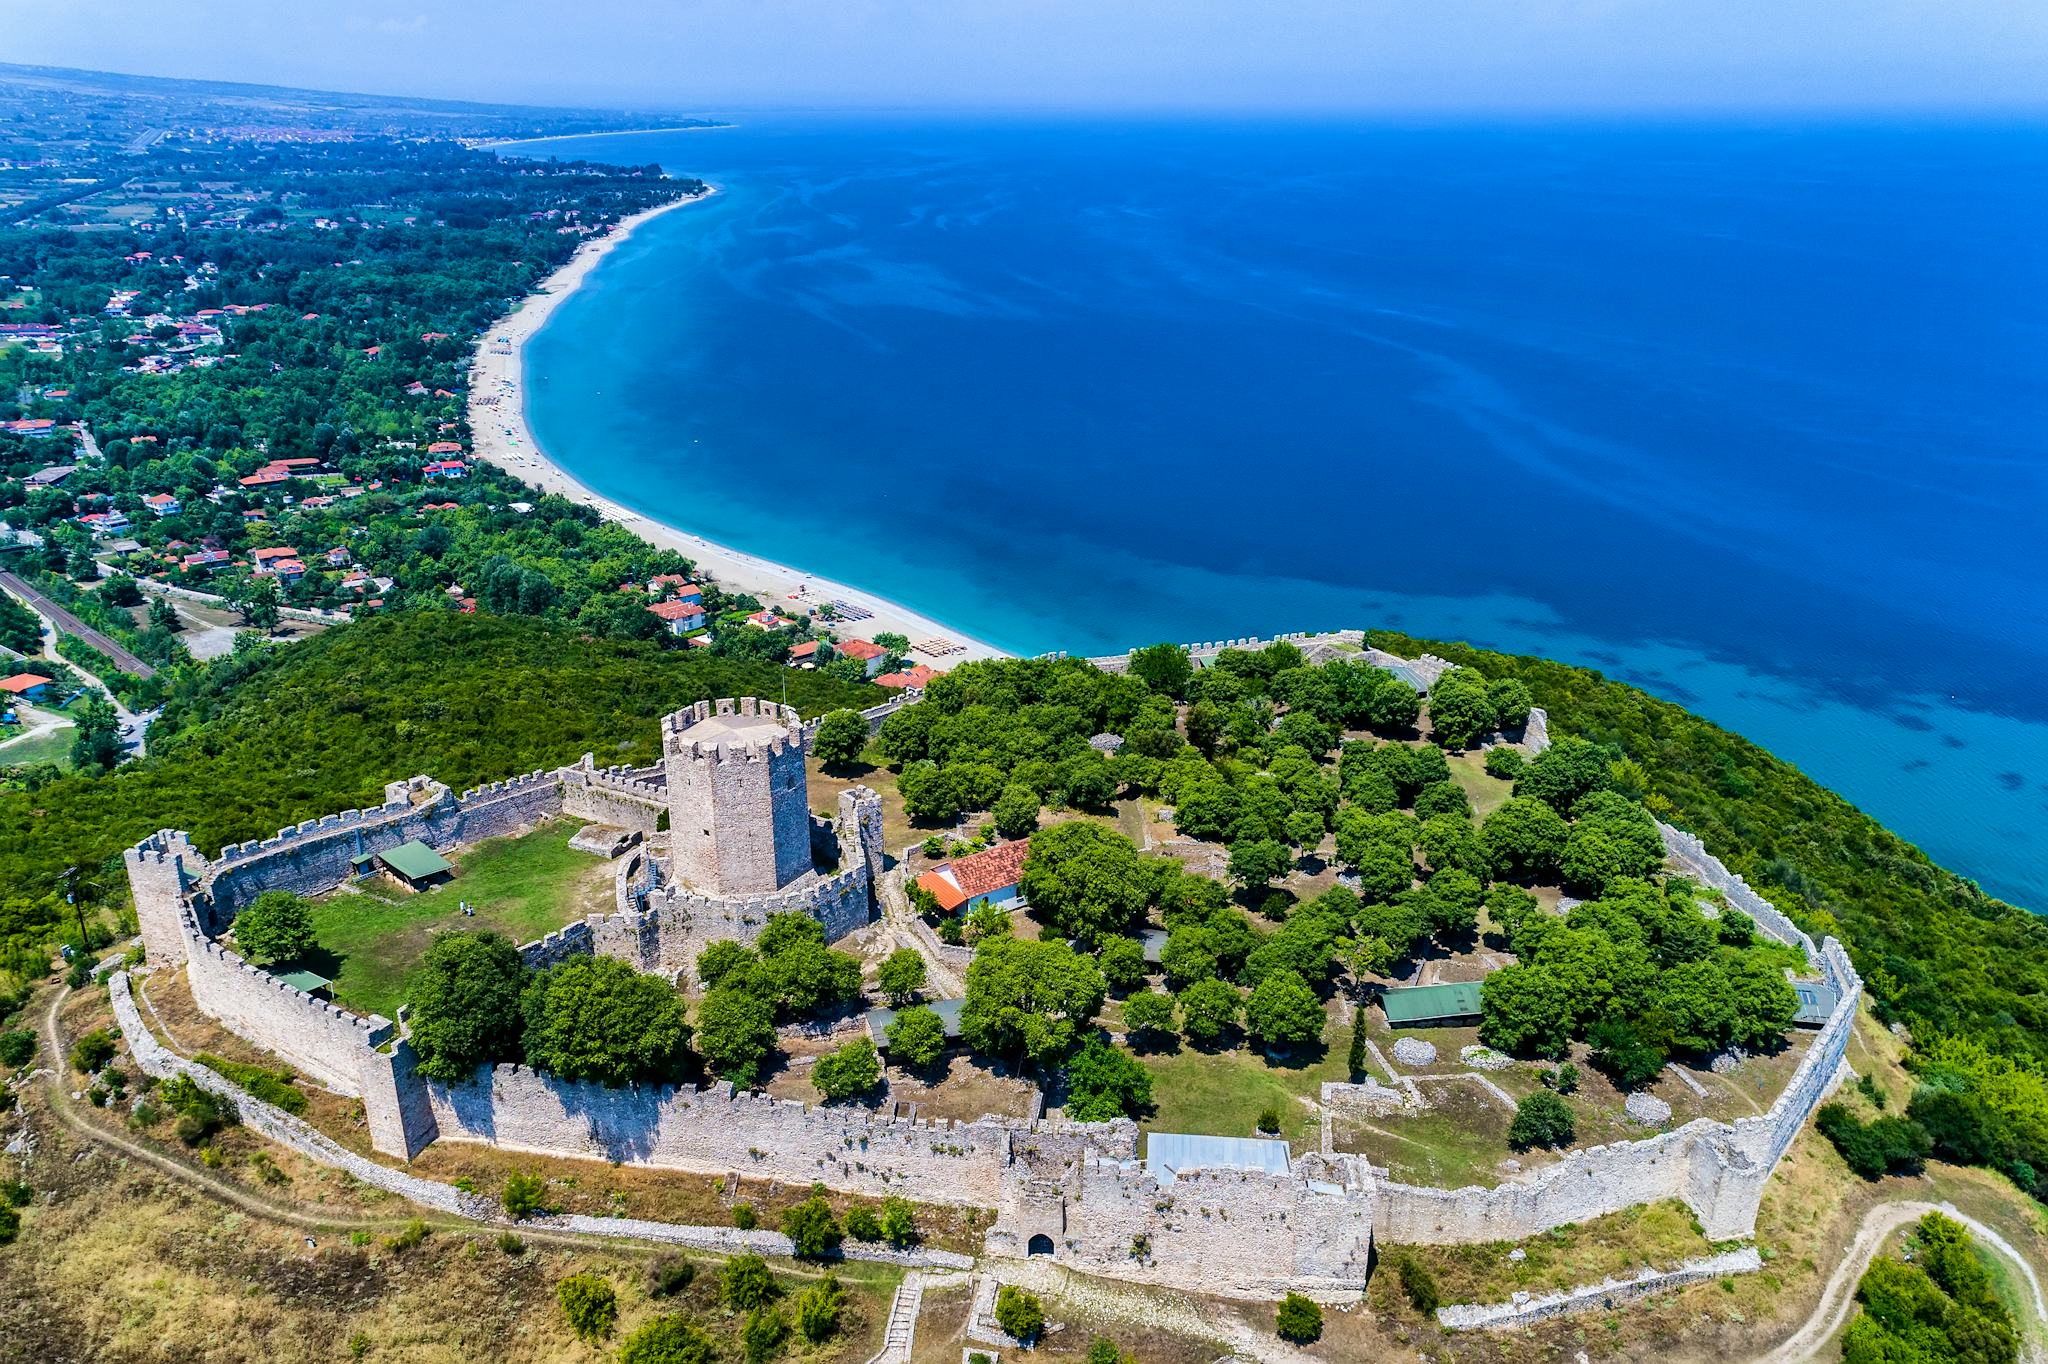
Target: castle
741 845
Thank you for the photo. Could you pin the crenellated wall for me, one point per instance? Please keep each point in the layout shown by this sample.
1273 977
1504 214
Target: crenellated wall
739 811
629 797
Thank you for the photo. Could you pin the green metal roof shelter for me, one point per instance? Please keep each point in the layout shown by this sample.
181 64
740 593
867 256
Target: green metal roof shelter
310 982
415 863
948 1011
1414 1006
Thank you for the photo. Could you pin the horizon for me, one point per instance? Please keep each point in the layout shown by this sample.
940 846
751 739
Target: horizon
1835 59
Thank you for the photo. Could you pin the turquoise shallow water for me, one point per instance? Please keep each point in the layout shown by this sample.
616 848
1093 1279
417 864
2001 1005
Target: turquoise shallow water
1751 418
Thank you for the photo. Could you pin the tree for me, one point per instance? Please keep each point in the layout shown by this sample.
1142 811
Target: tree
902 976
840 738
164 616
260 601
803 975
1527 1010
1257 862
1208 1008
717 963
277 926
735 1032
745 1283
1505 762
917 1038
1148 1012
92 1051
762 1336
1105 1083
1523 839
1355 1058
1630 1059
1511 701
1695 995
1459 708
1164 668
1563 772
1016 811
1298 1319
1764 1002
849 1072
465 1005
812 1230
817 1309
120 590
1542 1119
1283 1011
591 1305
1087 880
96 738
669 1339
929 793
1028 1000
596 1018
1123 964
1019 1313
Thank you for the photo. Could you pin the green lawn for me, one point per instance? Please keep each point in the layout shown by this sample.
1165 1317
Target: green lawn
1221 1093
1486 793
373 936
48 746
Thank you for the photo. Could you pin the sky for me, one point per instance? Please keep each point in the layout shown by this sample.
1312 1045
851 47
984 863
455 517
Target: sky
1424 56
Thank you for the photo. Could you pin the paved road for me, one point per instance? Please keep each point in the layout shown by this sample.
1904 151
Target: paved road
72 625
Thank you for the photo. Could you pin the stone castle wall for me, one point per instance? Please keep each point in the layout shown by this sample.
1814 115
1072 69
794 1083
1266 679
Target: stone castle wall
630 798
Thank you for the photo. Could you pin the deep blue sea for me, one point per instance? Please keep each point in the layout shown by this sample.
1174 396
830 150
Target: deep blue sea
1757 419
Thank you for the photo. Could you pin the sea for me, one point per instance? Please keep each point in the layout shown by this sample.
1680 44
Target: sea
1753 417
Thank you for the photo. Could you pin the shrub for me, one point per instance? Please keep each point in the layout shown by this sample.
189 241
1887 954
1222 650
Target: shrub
1020 1313
817 1310
1890 1145
1542 1119
764 1333
274 1087
743 1216
1299 1319
200 1112
17 1047
672 1339
591 1305
511 1245
92 1051
525 1195
849 1072
16 1193
899 1222
407 1237
1269 1118
10 1224
668 1275
745 1283
812 1229
1567 1078
862 1226
1504 762
1418 1284
1103 1350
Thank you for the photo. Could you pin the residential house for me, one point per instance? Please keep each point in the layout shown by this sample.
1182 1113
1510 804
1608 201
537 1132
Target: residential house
766 620
50 477
674 585
27 686
163 504
205 561
37 427
919 676
804 655
681 616
869 653
445 468
964 884
105 523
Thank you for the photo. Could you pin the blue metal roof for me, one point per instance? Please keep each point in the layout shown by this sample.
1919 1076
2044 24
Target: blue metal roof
1168 1153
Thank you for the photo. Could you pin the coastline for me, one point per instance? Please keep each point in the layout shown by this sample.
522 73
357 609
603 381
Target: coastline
500 436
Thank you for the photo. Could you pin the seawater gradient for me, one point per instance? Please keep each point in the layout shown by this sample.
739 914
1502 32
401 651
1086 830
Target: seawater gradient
1753 418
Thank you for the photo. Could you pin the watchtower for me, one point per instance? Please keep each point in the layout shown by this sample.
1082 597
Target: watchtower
738 806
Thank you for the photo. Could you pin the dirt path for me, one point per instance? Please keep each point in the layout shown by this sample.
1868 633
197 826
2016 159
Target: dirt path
1840 1294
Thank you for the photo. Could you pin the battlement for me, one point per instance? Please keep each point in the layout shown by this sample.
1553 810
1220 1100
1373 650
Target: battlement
374 1028
732 729
539 777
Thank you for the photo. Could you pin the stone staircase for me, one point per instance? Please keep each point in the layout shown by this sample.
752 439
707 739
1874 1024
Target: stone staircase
902 1331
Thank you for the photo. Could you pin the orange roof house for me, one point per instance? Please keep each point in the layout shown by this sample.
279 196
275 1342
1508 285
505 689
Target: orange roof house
983 878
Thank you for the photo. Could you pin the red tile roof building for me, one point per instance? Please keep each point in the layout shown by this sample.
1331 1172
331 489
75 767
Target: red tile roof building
981 878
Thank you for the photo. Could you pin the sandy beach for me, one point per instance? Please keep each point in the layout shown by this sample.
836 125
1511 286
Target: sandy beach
497 419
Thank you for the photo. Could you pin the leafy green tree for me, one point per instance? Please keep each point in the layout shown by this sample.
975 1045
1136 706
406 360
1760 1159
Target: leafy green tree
669 1339
1451 903
1525 1010
1028 1000
1460 710
851 1071
1629 1058
812 1230
277 926
745 1283
92 1051
1147 1013
1511 702
1088 881
17 1047
717 963
596 1018
1283 1011
1442 798
120 590
1763 1003
1298 1319
735 1032
899 1222
1542 1119
1208 1008
1524 839
1123 964
1505 762
805 976
164 616
1164 668
862 1225
1016 811
1696 996
818 1308
465 1003
591 1305
917 1038
96 736
1105 1083
902 976
1563 772
1257 862
930 795
841 737
1019 1313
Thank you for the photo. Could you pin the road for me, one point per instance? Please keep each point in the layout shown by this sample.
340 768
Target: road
134 728
72 625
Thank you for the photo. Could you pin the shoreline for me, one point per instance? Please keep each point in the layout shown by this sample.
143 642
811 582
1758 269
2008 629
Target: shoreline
500 436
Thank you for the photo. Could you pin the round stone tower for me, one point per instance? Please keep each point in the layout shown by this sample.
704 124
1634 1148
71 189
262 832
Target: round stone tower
739 812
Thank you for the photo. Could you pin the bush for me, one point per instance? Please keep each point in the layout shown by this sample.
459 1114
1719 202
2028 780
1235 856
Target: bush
511 1245
525 1195
1542 1119
1020 1313
899 1223
274 1087
764 1333
1567 1078
849 1072
743 1216
1269 1119
668 1275
812 1229
1504 762
672 1339
862 1226
10 1224
408 1237
92 1051
17 1048
1418 1284
200 1112
1299 1319
817 1310
745 1283
590 1304
1890 1145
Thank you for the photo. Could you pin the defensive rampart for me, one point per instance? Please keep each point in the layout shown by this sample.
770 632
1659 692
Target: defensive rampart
628 797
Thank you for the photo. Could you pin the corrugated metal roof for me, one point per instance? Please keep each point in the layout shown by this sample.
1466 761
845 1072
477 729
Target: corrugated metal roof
415 860
1816 1003
948 1011
1168 1153
1411 1004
